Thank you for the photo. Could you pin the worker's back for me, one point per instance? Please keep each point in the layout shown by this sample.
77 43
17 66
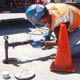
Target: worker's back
59 10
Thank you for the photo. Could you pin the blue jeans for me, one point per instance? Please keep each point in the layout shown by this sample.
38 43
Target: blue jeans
74 39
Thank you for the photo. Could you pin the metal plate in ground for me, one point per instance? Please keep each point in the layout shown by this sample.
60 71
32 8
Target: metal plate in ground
24 74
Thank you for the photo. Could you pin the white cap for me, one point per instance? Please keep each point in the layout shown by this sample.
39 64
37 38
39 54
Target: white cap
6 75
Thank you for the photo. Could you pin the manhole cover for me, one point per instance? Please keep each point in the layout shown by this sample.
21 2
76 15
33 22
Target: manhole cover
24 74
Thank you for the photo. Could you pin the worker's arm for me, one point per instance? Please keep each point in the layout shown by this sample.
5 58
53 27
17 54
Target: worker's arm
50 43
39 43
47 36
54 42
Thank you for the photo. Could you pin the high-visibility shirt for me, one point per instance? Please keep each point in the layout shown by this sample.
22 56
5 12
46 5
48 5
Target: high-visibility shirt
62 13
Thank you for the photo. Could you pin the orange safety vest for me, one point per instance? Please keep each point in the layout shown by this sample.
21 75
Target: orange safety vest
62 13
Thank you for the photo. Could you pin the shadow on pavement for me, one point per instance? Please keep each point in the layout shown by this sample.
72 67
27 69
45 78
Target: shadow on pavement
46 58
53 56
14 26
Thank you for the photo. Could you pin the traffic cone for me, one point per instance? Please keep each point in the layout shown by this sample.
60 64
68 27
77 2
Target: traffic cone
63 61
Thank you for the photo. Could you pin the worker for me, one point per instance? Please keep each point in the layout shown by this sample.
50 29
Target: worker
54 14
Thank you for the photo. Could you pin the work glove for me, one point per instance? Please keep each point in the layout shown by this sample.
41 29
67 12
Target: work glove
47 36
36 44
78 32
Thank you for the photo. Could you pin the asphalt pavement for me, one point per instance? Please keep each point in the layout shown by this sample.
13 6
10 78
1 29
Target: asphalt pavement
30 58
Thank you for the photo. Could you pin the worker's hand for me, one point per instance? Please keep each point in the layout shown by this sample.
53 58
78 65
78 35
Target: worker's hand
36 44
78 32
47 36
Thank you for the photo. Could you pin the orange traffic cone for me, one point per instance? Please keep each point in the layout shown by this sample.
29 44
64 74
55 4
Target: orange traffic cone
63 61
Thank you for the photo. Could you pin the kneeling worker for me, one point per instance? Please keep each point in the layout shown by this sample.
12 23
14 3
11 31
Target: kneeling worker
54 14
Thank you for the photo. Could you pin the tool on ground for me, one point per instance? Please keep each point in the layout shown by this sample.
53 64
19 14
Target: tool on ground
35 44
13 44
